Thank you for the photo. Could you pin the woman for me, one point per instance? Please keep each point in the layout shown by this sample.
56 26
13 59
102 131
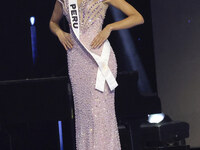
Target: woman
89 55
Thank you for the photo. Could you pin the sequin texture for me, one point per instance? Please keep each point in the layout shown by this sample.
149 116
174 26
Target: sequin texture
95 119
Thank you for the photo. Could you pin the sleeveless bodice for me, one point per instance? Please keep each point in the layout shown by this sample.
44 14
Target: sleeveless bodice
91 15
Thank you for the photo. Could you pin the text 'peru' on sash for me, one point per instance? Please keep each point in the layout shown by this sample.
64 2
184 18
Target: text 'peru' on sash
74 16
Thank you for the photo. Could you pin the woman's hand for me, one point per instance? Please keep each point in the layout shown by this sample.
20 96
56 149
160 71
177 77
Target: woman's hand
101 37
65 39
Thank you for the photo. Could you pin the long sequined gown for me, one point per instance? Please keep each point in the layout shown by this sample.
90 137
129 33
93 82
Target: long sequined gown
95 119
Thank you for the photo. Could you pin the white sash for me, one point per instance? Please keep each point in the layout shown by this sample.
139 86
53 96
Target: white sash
104 73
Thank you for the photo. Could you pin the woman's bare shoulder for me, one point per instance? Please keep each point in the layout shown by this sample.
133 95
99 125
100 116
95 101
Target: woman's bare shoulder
61 1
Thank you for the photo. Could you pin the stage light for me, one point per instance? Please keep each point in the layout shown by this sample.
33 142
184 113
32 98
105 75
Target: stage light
161 132
156 118
60 135
32 20
33 40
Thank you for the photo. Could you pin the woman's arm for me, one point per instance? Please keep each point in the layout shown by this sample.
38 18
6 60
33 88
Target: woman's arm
55 18
134 18
63 37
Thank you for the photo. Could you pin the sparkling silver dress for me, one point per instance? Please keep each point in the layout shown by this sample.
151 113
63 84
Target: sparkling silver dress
95 119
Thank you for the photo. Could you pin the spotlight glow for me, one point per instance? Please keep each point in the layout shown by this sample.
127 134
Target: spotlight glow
32 20
156 118
133 61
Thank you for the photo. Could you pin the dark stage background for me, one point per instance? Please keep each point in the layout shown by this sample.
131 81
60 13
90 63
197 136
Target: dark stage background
16 56
177 42
16 45
176 33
